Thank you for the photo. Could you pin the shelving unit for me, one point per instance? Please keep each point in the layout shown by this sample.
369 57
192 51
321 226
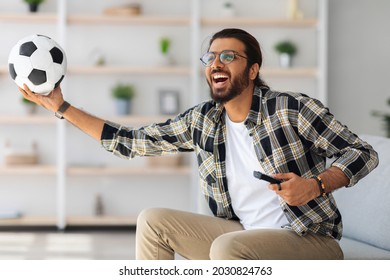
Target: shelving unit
126 69
260 22
138 20
68 174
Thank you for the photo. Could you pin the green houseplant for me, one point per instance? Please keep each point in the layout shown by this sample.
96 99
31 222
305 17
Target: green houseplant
123 94
31 107
385 118
34 4
286 50
165 44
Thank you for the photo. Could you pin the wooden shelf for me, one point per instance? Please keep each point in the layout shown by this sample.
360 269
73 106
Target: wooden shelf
138 120
94 19
28 170
29 221
120 170
112 69
136 20
101 221
260 22
70 221
29 17
28 120
3 69
289 72
42 120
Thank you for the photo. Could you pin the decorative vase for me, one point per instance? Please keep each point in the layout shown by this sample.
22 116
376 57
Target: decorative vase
166 60
122 106
285 60
30 109
228 10
33 7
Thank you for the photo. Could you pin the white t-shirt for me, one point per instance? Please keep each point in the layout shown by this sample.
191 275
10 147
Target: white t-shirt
252 201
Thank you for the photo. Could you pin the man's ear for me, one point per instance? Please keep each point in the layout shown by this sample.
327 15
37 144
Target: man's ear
253 72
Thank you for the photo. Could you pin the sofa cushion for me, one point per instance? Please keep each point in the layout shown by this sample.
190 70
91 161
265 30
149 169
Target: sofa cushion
365 207
356 250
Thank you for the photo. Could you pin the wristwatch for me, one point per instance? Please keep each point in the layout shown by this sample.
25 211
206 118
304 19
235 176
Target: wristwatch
59 114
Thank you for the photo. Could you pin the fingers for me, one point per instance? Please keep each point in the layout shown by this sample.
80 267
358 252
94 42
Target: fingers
284 176
276 187
24 93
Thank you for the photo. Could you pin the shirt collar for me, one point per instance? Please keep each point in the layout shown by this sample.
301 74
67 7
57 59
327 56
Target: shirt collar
254 113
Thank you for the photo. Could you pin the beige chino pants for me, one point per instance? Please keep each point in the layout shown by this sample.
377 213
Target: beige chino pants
163 232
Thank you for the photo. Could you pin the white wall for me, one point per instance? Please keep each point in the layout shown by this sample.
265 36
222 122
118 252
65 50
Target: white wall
359 62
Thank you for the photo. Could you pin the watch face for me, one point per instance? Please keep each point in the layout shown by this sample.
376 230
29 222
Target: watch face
58 115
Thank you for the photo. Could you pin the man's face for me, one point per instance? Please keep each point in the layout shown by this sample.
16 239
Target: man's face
227 81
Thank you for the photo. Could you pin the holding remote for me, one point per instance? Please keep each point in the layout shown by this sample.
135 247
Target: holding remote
267 178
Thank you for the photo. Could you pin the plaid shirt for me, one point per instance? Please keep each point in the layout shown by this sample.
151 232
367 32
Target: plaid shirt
291 133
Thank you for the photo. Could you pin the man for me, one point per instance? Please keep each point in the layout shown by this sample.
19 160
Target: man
246 127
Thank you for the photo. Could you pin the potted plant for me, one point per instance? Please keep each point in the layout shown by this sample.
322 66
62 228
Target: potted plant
165 44
286 50
123 94
33 4
385 117
31 107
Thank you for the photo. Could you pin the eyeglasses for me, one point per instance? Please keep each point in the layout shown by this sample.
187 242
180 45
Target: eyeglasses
226 57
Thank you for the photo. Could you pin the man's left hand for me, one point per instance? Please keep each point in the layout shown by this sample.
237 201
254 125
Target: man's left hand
295 190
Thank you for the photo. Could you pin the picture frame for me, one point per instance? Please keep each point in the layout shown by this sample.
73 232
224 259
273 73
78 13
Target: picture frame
169 102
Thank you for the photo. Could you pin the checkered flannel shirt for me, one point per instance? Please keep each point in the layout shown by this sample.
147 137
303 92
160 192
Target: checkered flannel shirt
291 133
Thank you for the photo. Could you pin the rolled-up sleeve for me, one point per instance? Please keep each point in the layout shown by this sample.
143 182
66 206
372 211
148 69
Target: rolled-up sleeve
355 157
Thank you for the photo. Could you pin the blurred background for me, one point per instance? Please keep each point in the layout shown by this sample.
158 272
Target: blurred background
52 176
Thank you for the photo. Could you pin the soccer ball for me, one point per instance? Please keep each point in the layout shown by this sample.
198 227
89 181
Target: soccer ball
39 62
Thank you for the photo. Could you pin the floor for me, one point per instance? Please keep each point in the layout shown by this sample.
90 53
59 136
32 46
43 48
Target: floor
79 245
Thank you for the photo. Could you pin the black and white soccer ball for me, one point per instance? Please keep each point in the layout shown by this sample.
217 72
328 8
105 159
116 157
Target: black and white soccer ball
39 62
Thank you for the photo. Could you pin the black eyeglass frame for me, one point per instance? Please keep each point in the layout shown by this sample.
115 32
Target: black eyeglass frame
220 53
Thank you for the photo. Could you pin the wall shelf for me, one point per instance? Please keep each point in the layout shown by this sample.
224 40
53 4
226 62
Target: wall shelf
26 120
133 20
260 22
139 120
101 220
94 19
29 18
3 69
29 221
126 69
28 170
118 170
290 72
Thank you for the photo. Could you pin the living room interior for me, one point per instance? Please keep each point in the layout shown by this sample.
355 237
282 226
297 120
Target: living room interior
63 197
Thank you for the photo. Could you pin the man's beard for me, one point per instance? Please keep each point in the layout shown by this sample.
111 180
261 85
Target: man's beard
237 86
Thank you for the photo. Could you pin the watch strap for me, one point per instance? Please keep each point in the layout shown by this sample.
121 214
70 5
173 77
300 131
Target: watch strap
60 112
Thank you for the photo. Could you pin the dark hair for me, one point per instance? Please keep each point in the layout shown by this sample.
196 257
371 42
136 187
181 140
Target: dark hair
252 48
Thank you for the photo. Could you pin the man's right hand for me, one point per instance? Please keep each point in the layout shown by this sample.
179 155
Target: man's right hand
51 101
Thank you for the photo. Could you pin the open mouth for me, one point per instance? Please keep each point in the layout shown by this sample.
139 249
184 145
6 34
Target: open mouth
219 79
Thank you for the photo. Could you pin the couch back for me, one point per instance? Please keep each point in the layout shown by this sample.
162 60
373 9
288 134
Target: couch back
365 207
